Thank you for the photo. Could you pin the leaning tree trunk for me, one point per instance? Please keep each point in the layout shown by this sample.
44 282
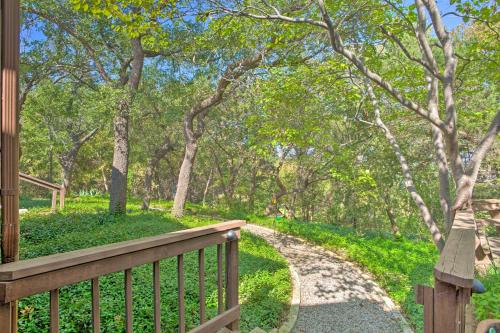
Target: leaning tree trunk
119 172
408 178
191 133
184 178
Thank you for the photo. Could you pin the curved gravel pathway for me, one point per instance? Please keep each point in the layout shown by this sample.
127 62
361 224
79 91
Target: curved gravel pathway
335 295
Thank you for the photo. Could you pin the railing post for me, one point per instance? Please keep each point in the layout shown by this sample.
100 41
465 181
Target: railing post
232 278
54 201
62 197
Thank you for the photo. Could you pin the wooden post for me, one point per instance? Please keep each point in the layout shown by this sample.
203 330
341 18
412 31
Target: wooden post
445 307
54 201
9 138
232 279
5 318
62 197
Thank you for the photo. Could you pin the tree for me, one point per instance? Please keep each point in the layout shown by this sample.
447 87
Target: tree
64 116
337 21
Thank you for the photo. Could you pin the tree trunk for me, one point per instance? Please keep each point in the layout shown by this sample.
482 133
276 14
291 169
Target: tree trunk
253 189
105 180
119 171
51 164
148 186
408 179
207 186
410 186
67 173
198 112
184 178
441 159
153 164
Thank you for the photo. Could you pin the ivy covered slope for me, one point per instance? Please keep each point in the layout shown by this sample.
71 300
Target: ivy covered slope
398 263
265 286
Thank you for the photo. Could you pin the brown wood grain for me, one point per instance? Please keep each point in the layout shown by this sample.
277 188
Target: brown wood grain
218 322
445 307
232 280
26 268
96 309
201 282
486 204
129 313
428 301
220 283
156 296
456 262
5 318
180 293
54 311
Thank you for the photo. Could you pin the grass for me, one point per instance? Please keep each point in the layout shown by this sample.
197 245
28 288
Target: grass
265 286
398 264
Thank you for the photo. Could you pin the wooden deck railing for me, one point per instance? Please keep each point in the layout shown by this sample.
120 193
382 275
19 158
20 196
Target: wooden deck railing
49 274
50 186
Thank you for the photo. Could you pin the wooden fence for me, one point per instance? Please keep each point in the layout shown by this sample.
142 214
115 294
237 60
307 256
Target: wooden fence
50 186
48 274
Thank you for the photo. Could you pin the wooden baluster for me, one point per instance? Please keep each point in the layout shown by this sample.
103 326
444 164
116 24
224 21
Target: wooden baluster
232 279
220 285
180 287
201 279
128 300
96 312
156 296
54 311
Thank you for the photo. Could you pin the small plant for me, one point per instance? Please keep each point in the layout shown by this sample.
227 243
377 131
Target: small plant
89 193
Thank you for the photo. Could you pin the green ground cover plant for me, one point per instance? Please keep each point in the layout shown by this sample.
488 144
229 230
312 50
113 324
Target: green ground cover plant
397 263
265 286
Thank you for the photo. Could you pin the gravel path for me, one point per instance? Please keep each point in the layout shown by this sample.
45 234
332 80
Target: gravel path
336 296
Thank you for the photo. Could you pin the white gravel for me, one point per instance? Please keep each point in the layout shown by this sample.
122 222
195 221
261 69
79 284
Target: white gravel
336 296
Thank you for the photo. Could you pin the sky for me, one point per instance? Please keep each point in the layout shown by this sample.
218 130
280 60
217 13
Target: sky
450 21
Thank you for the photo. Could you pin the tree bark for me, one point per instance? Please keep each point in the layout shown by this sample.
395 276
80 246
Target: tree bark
119 171
207 186
408 178
184 178
441 159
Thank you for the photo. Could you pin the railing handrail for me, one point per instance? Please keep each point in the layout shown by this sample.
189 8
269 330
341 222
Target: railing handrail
456 262
486 204
26 268
40 182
